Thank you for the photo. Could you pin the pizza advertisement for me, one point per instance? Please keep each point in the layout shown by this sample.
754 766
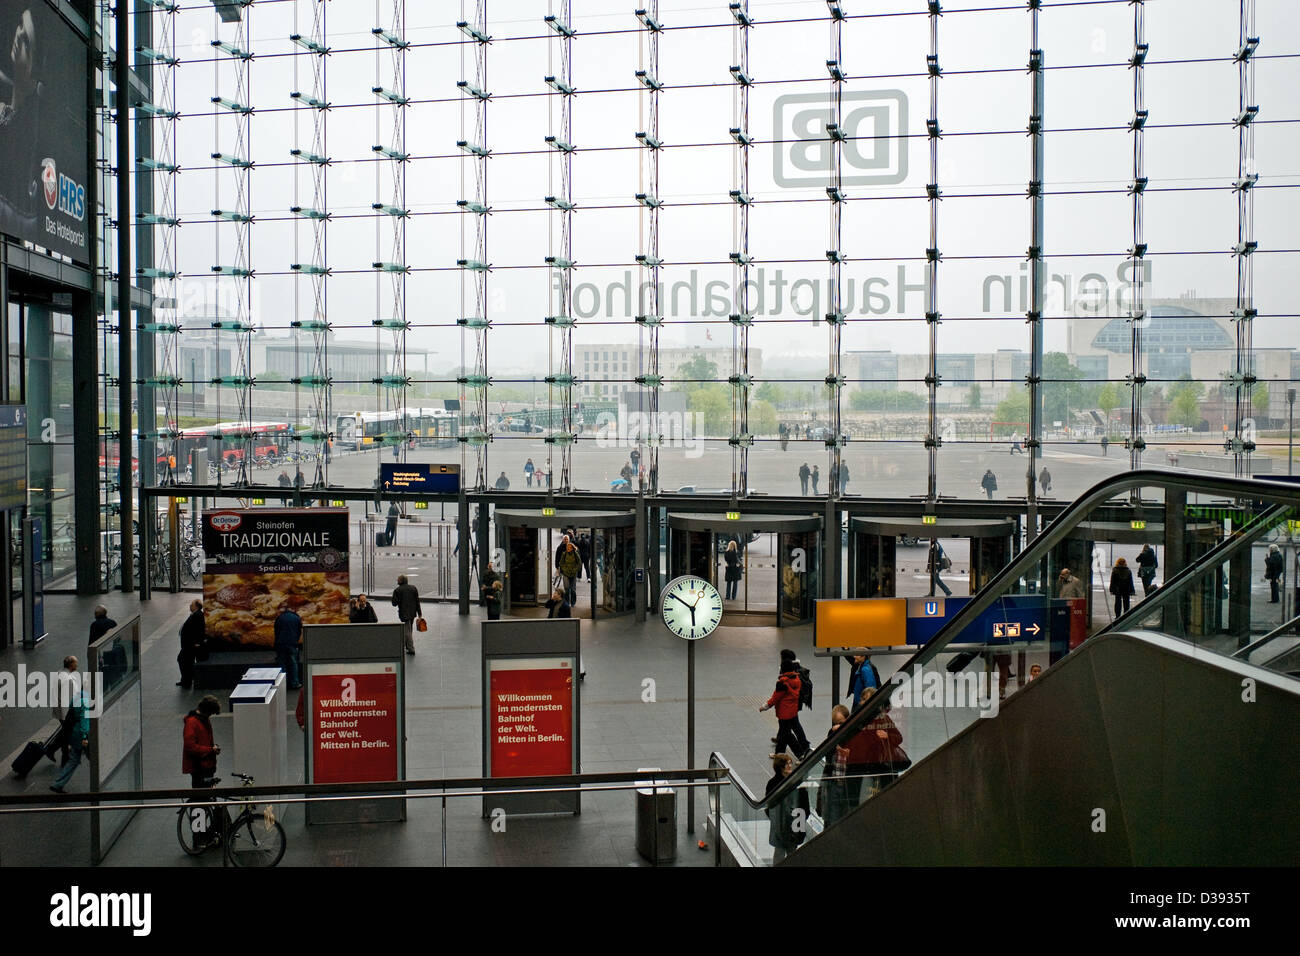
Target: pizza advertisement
257 562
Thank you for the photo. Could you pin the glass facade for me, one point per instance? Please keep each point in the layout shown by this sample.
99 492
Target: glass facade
907 244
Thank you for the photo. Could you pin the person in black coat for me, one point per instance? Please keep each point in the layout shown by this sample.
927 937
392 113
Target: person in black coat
1147 564
734 572
558 605
390 526
1121 585
361 611
193 636
788 819
101 625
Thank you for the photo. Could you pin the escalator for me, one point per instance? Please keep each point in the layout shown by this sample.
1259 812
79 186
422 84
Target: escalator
1161 734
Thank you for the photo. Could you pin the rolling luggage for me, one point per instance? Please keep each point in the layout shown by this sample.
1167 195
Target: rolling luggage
28 759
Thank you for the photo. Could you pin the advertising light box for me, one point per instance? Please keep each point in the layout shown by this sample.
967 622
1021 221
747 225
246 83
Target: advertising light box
257 562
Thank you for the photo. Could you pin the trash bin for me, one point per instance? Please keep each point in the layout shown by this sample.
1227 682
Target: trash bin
656 819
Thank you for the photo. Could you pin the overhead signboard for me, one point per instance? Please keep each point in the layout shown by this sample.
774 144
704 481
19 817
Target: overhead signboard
860 622
260 561
43 130
424 477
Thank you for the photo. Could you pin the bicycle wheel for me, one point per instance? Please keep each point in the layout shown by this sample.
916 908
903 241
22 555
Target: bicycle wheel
194 828
253 843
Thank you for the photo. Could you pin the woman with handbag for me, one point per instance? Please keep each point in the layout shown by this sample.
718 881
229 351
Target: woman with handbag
734 571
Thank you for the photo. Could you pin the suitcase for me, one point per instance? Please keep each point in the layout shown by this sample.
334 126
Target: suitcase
28 759
381 539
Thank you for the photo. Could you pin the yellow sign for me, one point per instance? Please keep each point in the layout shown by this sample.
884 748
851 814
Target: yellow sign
182 501
929 519
548 512
861 622
422 506
733 515
1137 525
338 503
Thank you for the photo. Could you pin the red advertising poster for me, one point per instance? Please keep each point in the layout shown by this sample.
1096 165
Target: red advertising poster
356 708
1078 621
531 717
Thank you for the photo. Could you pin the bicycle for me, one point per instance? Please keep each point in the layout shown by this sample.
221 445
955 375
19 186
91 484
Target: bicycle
253 839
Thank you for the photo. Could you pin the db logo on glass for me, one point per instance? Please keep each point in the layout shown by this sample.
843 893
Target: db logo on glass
875 148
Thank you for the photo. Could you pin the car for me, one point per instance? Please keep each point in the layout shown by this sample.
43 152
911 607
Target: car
518 426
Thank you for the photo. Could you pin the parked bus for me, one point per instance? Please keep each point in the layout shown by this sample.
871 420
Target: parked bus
425 426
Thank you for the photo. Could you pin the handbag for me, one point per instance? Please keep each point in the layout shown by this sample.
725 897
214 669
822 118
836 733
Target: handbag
899 761
421 624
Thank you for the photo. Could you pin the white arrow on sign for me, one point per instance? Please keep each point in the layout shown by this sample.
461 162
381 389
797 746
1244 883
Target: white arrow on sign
1033 629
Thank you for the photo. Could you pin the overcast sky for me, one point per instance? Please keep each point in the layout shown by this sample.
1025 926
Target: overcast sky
983 224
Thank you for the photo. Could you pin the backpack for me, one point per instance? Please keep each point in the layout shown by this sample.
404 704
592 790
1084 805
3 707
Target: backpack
570 564
805 688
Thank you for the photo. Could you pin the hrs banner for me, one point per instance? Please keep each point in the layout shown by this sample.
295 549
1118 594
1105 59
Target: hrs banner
43 129
258 562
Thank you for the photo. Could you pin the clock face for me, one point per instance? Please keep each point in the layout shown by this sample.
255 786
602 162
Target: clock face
691 607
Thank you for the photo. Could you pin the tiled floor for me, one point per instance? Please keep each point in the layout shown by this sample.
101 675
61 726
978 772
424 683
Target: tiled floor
620 731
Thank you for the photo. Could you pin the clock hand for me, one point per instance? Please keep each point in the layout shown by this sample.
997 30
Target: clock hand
676 598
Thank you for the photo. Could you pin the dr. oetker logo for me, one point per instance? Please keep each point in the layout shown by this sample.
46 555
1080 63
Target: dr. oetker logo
50 180
225 522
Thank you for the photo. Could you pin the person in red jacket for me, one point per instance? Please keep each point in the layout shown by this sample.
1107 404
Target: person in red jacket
786 701
876 751
199 758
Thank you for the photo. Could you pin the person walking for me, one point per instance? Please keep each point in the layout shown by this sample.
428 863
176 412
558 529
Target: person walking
816 477
584 553
788 819
490 588
1105 444
1147 564
503 483
634 457
1045 479
568 563
288 638
407 601
938 562
193 636
989 483
786 701
101 625
1274 573
76 730
863 679
844 477
285 482
529 468
1121 585
733 573
1015 446
199 753
361 611
804 473
390 526
69 684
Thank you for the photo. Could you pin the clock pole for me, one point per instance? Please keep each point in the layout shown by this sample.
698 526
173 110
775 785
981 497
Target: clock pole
690 732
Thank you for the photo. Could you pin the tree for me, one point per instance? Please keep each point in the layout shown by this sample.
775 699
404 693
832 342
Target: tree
974 396
1063 389
1185 402
1013 408
1109 398
762 418
1259 398
696 372
711 405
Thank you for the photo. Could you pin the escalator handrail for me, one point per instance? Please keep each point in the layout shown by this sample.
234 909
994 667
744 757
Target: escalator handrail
1055 532
1282 629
